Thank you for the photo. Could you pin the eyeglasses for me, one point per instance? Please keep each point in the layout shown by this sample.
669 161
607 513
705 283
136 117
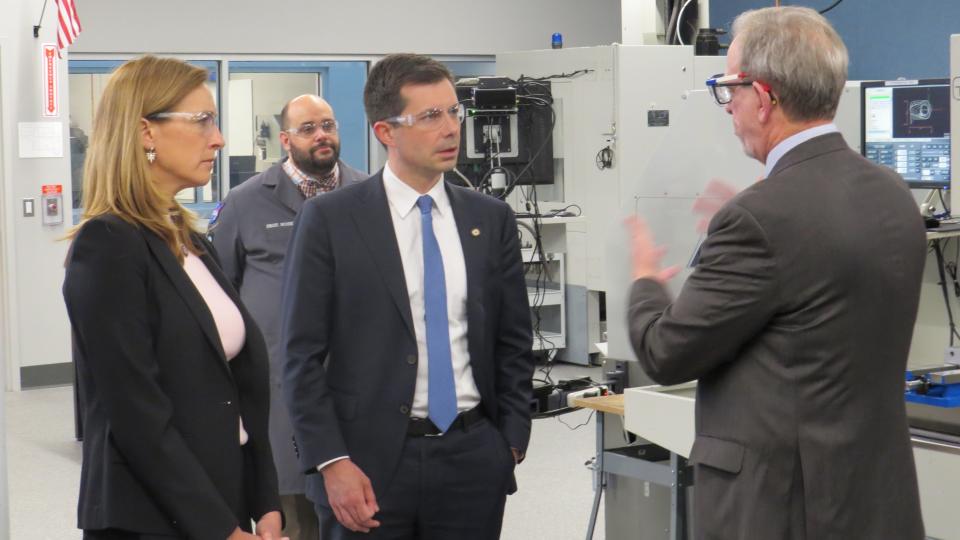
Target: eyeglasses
431 118
206 120
721 86
307 129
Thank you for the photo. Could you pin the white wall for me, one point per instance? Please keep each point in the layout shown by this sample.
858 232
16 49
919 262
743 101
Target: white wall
33 255
4 336
33 322
335 27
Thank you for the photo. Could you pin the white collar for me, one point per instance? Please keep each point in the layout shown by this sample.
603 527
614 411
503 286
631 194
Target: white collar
794 141
403 198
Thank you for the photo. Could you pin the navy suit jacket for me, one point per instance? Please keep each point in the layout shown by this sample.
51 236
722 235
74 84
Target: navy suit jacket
351 352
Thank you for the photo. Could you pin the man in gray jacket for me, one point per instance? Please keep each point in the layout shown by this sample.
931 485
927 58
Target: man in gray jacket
250 232
798 318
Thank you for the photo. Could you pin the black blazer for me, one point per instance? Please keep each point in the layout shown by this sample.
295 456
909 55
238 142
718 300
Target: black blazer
345 296
161 405
797 323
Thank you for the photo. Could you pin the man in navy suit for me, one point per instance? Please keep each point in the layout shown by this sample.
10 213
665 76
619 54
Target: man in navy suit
407 332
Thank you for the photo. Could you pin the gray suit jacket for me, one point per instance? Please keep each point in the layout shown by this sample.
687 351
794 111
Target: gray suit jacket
250 234
797 323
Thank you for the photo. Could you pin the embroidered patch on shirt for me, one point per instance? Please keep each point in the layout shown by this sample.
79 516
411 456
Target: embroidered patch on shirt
280 224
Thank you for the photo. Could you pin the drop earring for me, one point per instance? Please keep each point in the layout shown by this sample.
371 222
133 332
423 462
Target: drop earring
151 155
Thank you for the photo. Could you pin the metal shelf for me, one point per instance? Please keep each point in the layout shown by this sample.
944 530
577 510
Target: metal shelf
543 298
548 341
530 256
545 292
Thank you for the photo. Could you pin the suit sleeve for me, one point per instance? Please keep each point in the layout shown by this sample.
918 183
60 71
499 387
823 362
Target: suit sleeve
307 308
726 301
224 233
513 355
106 293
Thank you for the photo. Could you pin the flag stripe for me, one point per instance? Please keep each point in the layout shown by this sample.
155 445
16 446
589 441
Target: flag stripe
68 27
74 17
65 20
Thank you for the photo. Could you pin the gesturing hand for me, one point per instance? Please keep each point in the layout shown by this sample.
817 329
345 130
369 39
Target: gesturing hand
716 194
646 254
351 495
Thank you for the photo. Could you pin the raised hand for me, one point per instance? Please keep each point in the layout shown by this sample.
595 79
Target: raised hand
716 194
646 254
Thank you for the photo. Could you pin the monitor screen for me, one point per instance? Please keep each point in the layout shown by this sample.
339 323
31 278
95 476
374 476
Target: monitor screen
521 142
906 126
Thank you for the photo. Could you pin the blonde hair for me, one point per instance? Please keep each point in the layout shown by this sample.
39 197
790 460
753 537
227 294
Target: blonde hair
116 174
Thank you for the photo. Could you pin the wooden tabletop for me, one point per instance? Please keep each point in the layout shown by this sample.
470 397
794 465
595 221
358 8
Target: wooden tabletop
612 404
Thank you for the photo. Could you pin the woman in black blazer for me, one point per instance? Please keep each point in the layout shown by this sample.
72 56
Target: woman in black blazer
172 370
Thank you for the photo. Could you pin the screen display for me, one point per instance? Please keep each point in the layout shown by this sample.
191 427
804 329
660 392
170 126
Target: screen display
906 127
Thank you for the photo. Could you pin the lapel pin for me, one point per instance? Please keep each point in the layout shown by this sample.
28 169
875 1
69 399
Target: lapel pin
475 232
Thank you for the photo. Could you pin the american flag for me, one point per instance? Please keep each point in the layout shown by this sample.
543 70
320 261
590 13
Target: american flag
69 25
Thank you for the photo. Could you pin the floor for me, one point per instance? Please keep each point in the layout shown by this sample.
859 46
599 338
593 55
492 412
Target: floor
43 460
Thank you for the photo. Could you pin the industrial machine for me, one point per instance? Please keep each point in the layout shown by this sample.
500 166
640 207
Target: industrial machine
635 133
506 138
937 386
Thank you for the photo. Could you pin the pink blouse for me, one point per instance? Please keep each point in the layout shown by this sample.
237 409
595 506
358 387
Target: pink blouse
226 315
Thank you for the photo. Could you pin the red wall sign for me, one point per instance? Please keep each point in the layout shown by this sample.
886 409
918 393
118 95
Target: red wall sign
51 90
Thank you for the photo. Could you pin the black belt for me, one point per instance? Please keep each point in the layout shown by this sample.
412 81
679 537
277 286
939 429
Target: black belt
423 427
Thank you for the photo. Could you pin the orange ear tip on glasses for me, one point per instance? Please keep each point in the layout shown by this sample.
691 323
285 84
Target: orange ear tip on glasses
721 86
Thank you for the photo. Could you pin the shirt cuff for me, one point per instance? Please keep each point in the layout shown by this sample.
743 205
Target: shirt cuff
325 463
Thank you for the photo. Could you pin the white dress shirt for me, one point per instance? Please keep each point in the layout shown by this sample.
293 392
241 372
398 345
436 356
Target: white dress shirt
794 141
407 225
402 200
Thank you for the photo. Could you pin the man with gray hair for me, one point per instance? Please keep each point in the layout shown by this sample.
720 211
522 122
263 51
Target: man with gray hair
798 318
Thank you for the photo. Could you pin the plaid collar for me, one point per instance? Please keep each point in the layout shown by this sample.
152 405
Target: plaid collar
326 183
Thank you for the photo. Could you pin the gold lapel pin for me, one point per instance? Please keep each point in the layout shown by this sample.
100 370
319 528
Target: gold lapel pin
475 232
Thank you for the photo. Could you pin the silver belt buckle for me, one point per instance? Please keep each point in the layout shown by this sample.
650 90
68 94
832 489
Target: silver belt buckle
418 419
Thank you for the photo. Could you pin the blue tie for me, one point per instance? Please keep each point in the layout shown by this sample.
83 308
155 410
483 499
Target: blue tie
441 393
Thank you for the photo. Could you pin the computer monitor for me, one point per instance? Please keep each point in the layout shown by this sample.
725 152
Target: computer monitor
516 136
906 126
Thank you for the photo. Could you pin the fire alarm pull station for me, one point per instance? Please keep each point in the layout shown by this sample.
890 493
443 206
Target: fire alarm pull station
51 204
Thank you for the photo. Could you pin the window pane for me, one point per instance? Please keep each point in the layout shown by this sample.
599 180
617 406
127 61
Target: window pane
85 92
256 100
259 90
